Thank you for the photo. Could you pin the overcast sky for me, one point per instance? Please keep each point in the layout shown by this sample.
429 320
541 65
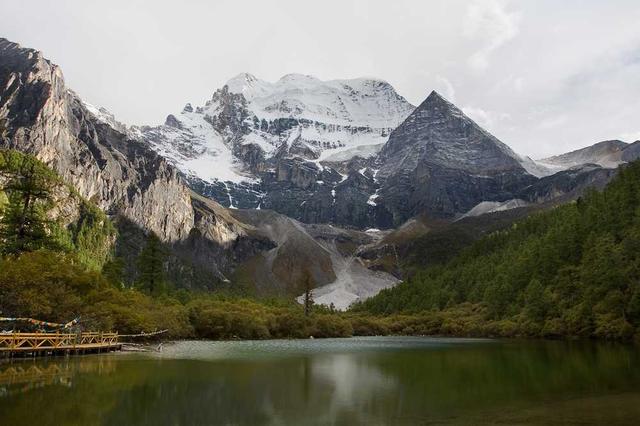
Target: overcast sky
544 76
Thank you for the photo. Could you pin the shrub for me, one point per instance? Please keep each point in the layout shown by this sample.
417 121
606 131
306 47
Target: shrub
330 326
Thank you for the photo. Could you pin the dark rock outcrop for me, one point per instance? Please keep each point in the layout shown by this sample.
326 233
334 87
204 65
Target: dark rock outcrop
567 184
631 152
439 162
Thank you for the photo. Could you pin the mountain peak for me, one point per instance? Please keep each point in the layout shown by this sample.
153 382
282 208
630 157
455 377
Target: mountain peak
435 96
15 55
243 77
438 132
436 100
247 84
608 154
295 77
7 45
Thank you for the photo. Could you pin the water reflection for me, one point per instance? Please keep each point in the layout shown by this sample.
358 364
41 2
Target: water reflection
341 381
22 376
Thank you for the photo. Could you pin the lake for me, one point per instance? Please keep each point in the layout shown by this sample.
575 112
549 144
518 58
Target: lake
357 381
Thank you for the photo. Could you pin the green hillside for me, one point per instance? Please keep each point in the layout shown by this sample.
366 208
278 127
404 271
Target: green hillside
570 271
58 262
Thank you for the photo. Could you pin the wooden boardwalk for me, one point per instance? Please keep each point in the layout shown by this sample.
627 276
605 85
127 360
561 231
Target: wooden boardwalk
43 344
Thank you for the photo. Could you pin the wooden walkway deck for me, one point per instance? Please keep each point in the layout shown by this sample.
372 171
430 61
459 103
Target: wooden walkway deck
43 344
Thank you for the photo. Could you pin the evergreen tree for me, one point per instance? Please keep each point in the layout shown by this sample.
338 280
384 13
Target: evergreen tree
535 303
151 260
308 292
24 225
114 272
571 270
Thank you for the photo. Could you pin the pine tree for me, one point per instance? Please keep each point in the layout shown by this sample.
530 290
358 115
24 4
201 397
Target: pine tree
24 225
151 276
308 293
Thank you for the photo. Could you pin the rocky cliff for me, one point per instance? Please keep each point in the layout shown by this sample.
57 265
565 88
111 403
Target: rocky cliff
284 145
40 116
440 162
351 153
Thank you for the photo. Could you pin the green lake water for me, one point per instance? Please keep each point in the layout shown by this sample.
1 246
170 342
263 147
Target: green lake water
358 381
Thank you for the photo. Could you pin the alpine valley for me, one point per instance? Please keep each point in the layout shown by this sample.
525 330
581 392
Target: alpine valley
270 186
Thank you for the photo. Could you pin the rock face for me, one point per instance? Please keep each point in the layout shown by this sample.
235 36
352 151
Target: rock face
608 154
266 145
114 168
40 116
567 184
352 153
631 152
440 162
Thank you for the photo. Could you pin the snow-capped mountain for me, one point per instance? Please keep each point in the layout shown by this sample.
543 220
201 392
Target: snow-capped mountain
348 152
249 121
205 242
341 152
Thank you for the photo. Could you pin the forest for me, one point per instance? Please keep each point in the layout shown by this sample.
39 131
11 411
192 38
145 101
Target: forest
572 271
569 271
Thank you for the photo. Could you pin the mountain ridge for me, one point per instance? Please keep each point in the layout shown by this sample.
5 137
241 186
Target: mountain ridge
252 162
436 163
141 191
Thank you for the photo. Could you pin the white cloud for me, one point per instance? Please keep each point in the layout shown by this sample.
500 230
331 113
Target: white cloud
489 22
518 84
446 88
630 136
552 122
490 120
516 66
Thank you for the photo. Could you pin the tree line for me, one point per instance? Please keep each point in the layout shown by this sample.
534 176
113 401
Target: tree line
570 271
573 270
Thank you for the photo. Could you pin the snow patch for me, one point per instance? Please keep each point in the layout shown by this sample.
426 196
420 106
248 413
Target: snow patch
197 149
333 120
494 206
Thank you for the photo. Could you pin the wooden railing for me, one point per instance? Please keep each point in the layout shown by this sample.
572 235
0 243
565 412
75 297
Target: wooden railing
34 342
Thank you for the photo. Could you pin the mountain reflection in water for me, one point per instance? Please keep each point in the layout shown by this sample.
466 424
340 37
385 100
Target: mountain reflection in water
370 381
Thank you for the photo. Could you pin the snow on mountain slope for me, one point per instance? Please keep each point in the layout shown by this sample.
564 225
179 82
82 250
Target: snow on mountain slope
105 116
249 121
361 101
535 168
197 149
